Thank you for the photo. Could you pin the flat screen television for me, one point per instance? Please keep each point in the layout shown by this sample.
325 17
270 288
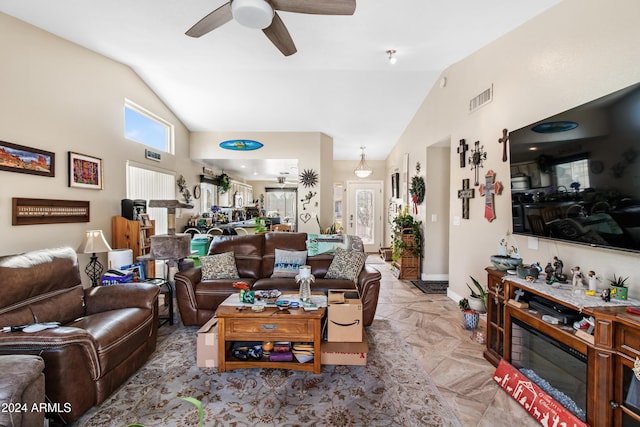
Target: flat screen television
575 176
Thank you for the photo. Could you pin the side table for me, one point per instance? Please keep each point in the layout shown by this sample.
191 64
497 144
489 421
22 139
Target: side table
166 288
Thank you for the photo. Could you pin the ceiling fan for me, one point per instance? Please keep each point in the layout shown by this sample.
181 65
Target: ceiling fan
261 14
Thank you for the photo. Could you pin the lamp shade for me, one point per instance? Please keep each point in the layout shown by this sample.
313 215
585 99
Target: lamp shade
363 170
94 242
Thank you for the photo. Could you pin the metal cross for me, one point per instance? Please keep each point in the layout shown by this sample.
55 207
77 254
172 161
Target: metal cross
489 189
462 150
465 194
478 155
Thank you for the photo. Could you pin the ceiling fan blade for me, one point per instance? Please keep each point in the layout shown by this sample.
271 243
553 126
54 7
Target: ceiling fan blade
215 19
279 36
316 7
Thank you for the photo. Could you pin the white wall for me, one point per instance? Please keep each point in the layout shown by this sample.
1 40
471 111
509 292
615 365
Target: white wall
575 52
60 97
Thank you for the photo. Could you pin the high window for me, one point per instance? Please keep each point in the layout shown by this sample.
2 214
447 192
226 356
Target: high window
144 127
151 184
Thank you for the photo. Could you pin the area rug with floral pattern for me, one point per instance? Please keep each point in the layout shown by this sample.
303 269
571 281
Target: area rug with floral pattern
392 390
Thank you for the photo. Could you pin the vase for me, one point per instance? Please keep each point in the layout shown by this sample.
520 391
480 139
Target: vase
305 290
470 319
618 292
477 304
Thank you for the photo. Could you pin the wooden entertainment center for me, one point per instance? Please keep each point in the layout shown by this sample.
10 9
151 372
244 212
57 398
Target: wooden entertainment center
611 351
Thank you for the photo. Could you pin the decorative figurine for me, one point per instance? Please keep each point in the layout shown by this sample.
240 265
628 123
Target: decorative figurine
606 295
548 270
558 265
593 280
577 277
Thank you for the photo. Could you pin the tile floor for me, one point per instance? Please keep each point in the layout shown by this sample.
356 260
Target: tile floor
432 325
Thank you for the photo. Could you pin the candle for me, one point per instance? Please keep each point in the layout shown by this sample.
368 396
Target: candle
305 271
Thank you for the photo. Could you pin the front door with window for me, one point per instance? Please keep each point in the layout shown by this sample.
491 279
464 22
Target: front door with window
364 212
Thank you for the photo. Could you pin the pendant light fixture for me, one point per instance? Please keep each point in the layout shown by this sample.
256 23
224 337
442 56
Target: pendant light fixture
392 56
363 170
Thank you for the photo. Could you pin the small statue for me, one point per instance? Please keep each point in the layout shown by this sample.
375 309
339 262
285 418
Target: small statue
593 280
549 272
606 295
558 265
577 277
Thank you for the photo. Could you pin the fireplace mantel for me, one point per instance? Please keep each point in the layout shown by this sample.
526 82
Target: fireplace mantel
611 351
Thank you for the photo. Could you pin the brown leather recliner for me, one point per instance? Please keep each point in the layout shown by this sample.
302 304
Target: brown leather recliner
107 332
255 257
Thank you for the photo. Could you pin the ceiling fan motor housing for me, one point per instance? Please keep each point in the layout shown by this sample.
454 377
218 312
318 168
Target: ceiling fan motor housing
256 14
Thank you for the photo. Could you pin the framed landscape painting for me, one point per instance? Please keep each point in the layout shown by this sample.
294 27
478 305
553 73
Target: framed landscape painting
18 158
85 171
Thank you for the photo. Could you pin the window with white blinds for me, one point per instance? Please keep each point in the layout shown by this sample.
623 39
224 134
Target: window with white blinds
151 184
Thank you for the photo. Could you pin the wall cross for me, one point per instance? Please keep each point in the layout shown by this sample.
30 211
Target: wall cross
465 194
462 150
489 189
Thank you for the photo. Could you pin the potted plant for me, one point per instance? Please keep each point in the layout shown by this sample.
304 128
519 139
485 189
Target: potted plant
617 288
478 297
470 318
405 224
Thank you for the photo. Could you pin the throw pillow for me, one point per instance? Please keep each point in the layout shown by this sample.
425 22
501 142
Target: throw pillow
325 243
346 265
219 266
288 263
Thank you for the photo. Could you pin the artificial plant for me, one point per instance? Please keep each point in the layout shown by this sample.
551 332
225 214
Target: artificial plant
404 223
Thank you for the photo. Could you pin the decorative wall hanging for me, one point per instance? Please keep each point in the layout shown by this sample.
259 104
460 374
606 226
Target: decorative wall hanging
47 211
395 185
417 189
554 127
462 150
196 192
241 145
489 189
465 194
478 155
85 171
18 158
305 217
309 178
503 140
224 182
184 190
307 199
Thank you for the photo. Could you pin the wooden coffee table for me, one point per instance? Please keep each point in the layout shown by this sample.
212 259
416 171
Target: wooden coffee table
272 324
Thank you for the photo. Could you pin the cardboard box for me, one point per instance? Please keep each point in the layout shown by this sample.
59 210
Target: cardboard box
344 318
207 345
344 353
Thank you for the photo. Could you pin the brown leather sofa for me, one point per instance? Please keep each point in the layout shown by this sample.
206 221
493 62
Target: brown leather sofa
107 332
21 390
255 257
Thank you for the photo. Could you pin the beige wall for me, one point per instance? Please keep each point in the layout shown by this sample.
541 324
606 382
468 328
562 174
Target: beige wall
60 97
575 52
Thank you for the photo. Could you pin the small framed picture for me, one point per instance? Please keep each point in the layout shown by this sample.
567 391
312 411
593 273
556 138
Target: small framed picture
18 158
144 219
85 171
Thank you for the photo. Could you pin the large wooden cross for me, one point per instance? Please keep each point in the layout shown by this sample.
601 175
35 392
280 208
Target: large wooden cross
462 150
489 189
465 194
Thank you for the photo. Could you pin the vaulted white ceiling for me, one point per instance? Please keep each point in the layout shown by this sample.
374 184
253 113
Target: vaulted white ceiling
339 82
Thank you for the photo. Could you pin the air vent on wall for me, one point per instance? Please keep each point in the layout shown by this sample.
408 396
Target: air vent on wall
484 98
